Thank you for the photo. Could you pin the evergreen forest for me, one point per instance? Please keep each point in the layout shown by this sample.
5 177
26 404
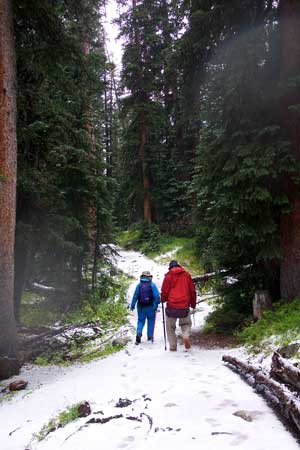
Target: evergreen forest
196 135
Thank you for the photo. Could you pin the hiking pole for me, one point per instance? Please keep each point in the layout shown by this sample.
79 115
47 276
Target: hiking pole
164 325
193 314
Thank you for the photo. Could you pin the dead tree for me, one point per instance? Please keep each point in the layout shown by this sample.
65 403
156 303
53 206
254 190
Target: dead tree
261 303
284 370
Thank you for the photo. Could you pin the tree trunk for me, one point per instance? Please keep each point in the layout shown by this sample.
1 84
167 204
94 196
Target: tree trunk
290 222
143 99
22 257
261 303
8 147
146 179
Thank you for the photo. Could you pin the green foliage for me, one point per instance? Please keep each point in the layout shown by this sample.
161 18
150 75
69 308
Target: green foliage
63 181
78 352
94 354
276 328
7 397
232 305
152 102
107 305
55 358
142 237
239 166
36 311
39 314
183 249
110 310
63 419
224 320
155 244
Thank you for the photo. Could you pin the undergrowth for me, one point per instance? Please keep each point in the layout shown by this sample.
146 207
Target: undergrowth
79 353
106 305
277 327
147 239
60 421
35 311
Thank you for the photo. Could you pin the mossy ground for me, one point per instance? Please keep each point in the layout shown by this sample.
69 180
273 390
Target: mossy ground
154 244
277 327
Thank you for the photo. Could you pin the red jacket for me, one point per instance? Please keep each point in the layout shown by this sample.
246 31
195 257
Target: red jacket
178 289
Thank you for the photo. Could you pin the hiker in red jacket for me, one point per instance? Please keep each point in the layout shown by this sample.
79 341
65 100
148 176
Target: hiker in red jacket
178 290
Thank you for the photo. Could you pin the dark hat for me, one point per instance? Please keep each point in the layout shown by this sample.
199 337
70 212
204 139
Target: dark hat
173 263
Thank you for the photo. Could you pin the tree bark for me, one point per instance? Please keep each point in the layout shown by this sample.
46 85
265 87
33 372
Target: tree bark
285 371
8 147
144 132
261 302
290 222
22 257
146 179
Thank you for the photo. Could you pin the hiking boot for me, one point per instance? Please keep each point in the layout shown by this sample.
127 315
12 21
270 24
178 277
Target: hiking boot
150 338
187 342
137 340
173 349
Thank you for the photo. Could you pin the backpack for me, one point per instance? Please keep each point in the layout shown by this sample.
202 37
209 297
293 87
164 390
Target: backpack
146 294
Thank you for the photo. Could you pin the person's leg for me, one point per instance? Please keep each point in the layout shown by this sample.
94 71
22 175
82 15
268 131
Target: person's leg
171 327
140 325
150 324
185 324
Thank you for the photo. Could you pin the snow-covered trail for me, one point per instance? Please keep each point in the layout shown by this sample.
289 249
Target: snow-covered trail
183 399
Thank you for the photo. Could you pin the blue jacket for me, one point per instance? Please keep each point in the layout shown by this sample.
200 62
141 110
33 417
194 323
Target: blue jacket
156 296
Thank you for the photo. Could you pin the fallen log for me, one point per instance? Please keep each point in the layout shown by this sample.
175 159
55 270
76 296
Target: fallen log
46 290
57 339
286 402
203 278
228 280
284 370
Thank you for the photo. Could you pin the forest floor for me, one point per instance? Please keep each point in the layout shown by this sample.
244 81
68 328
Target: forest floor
143 397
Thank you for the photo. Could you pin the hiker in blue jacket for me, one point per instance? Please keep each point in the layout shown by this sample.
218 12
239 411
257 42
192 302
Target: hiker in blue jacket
146 296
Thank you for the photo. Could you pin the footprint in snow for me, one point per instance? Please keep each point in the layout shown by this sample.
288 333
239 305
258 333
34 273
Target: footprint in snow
227 389
226 402
213 422
239 438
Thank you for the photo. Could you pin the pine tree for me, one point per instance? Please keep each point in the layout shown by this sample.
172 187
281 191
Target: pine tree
62 179
241 157
290 107
8 150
